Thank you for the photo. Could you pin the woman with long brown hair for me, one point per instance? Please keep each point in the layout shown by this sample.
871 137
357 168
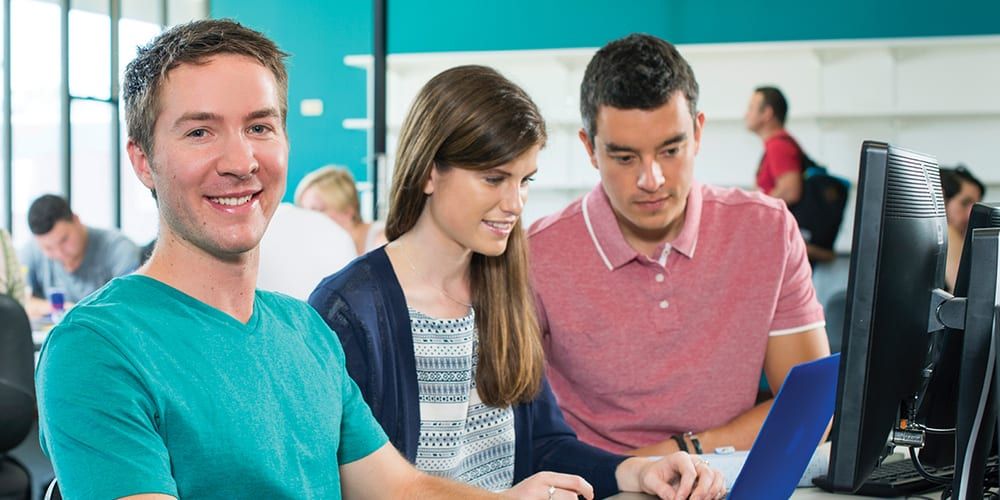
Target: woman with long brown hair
439 326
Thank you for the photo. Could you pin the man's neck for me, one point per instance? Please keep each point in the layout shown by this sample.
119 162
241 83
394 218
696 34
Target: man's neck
649 242
227 285
768 130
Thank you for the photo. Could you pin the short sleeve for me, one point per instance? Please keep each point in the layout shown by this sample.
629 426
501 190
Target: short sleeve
97 422
783 156
798 309
360 433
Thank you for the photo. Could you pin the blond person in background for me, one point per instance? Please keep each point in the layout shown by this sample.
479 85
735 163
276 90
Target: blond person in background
332 191
11 276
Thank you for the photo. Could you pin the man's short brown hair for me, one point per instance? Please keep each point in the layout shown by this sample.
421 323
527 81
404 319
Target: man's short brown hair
191 43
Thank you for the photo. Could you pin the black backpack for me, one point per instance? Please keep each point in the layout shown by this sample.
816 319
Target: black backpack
820 210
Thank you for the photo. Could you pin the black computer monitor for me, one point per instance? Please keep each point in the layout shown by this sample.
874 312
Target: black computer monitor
940 404
978 382
897 261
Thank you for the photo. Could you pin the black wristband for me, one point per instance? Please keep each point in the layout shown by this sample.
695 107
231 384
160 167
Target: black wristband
680 442
694 440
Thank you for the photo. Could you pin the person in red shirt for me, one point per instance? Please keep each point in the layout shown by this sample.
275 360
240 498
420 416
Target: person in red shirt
780 171
781 167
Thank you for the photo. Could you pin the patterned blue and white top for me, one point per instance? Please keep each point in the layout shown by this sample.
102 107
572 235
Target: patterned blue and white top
460 437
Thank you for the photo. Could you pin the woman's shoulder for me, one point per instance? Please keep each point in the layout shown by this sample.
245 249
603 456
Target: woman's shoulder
367 270
367 280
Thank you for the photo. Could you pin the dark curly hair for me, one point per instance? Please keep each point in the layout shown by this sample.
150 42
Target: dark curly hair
636 72
952 179
46 211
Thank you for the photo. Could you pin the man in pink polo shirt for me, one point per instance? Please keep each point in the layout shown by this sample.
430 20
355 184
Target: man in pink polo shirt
661 299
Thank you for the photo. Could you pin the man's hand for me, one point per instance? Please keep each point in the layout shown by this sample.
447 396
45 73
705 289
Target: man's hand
561 486
676 476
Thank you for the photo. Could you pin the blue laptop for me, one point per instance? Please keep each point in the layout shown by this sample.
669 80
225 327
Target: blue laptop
791 432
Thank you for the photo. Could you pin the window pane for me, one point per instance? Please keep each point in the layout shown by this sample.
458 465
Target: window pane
90 125
3 167
182 11
89 52
139 215
131 35
35 116
143 10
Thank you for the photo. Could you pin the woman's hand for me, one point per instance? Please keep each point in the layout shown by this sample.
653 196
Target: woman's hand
551 486
675 476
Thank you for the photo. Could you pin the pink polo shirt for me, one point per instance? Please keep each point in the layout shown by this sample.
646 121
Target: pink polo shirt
640 349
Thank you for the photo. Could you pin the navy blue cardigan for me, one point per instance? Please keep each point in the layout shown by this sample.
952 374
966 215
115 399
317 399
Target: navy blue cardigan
365 306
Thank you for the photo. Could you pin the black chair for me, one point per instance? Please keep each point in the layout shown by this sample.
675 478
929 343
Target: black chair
17 396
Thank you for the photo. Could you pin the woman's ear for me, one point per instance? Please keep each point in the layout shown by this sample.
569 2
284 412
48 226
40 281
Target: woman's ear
429 185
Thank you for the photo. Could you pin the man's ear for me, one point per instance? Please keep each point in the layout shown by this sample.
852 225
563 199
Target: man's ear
699 126
588 145
141 163
767 112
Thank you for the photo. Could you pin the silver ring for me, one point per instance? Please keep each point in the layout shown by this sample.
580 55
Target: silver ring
552 492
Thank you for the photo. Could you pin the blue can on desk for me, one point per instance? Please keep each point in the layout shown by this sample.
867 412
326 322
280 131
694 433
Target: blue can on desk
57 299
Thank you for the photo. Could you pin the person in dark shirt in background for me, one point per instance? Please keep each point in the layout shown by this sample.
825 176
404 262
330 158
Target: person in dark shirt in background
67 256
961 191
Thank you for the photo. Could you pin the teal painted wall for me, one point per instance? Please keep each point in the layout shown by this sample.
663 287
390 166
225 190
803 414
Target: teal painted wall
317 35
752 21
320 33
453 25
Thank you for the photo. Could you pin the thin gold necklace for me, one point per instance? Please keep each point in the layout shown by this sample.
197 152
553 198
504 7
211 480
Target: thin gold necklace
440 288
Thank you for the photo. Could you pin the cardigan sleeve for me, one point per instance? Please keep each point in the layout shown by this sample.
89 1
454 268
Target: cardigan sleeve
340 317
361 303
556 448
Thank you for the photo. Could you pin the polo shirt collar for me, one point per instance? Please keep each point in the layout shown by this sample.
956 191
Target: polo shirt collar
610 243
686 242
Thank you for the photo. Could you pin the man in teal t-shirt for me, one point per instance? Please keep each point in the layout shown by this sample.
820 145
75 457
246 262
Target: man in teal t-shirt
182 380
182 399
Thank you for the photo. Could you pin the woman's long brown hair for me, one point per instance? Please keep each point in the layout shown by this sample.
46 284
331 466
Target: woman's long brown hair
473 118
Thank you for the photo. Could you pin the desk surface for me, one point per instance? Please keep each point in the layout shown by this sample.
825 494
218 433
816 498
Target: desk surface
40 329
800 493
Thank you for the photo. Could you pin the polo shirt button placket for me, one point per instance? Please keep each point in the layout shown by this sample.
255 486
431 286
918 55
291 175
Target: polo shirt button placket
664 304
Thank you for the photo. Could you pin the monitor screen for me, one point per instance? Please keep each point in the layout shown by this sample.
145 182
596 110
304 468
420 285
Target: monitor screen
898 258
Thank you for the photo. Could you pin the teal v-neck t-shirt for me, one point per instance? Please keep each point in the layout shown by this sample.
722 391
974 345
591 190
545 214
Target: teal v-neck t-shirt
144 389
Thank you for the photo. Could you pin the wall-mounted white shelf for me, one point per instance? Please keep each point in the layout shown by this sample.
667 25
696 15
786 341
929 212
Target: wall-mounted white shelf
357 124
935 95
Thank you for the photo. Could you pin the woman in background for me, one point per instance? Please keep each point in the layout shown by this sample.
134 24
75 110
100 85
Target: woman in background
439 326
331 190
961 191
